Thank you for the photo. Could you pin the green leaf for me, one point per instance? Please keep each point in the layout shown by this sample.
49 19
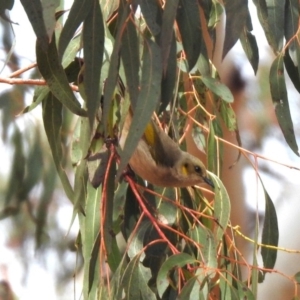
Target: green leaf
212 149
130 58
71 51
271 15
34 11
292 70
77 15
150 11
135 279
169 77
235 22
218 88
167 210
188 20
112 78
187 291
167 31
250 47
136 240
281 104
40 93
93 48
52 117
221 207
108 10
291 21
91 239
54 74
205 238
270 234
109 207
228 116
174 261
214 16
297 277
147 100
49 8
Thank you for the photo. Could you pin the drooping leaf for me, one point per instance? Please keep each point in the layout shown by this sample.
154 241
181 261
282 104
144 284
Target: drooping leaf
208 254
235 22
34 11
147 100
270 234
188 20
167 31
135 280
218 88
228 116
271 16
131 60
92 237
174 261
93 48
77 15
187 290
281 104
52 117
49 7
291 21
222 207
136 240
292 70
169 77
249 43
112 78
150 12
54 74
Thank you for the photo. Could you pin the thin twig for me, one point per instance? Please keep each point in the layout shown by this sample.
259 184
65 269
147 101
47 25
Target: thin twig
39 82
23 70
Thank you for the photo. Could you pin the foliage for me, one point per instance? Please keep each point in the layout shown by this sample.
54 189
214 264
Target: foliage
139 241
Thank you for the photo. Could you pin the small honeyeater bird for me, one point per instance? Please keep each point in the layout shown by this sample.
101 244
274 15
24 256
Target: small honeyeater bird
160 161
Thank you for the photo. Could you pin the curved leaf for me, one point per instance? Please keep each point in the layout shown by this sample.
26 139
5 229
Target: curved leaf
135 281
150 12
112 78
249 44
167 31
77 15
205 238
147 100
292 70
235 22
221 207
93 48
281 104
130 58
34 11
218 88
270 234
174 261
188 20
54 74
52 117
271 16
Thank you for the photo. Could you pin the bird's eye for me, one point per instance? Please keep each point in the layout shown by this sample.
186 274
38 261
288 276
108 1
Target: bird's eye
198 170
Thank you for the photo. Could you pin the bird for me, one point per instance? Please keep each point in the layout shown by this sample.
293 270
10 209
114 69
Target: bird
159 160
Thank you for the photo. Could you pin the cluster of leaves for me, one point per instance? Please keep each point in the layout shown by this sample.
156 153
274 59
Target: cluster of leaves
153 243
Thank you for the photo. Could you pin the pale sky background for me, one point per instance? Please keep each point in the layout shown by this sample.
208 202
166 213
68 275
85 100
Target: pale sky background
39 283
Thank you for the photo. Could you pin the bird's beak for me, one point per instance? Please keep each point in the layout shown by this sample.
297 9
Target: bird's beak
209 182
